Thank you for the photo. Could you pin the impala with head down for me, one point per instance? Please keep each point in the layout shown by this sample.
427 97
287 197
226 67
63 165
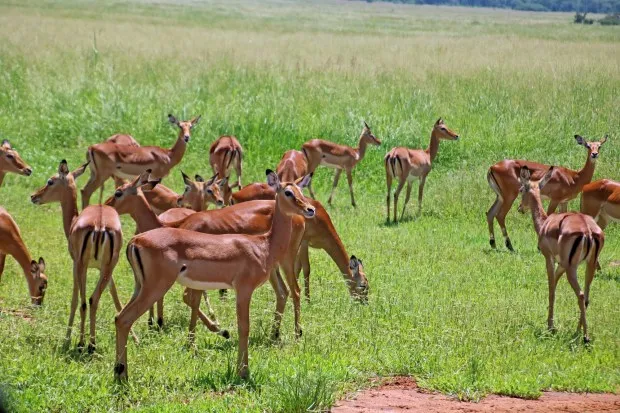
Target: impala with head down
338 157
161 257
128 161
565 239
565 184
407 164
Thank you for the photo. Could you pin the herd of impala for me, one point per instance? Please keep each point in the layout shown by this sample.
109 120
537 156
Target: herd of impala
268 227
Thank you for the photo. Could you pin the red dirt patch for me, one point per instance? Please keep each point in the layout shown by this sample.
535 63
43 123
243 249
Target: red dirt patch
402 394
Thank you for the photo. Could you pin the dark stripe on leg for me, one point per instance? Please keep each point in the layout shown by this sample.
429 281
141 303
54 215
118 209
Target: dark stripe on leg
573 250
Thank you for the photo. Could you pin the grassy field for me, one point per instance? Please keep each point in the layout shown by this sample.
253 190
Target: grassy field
462 318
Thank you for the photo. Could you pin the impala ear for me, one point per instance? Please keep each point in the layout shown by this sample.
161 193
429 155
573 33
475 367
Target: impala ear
304 181
524 175
546 178
6 144
211 180
150 185
273 180
63 169
41 264
142 179
35 270
439 122
222 182
353 263
580 140
366 125
186 179
195 121
604 139
79 171
198 178
172 119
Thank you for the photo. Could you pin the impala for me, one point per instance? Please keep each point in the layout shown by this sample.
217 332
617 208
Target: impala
565 184
252 192
10 161
11 243
225 154
124 161
161 198
319 233
601 200
567 239
200 193
339 157
407 164
161 257
94 238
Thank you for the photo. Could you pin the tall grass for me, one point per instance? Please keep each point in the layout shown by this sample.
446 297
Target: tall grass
444 307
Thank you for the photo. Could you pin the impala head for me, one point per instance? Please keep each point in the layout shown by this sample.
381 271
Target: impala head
530 188
359 286
126 193
593 147
442 131
186 126
58 186
368 136
37 270
10 161
289 196
199 193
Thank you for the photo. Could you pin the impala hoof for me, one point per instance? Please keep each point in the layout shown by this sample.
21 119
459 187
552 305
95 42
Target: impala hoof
509 245
225 334
586 340
91 348
492 243
160 322
119 369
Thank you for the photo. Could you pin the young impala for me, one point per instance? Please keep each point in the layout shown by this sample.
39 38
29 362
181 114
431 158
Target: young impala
199 194
11 243
567 239
408 164
338 157
10 161
225 154
127 161
565 184
94 238
161 257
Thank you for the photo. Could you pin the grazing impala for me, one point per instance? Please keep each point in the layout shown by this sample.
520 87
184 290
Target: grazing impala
565 184
124 161
10 161
11 243
225 154
567 239
161 198
94 238
339 157
407 164
161 257
200 193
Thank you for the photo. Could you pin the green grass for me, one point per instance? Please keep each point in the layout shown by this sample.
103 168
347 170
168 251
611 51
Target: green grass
445 308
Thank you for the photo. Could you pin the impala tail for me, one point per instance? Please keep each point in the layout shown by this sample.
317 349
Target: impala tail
393 165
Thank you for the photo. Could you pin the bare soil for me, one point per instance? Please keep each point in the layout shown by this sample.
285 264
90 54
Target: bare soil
402 394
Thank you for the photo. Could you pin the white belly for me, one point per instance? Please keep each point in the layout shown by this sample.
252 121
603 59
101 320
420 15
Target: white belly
330 165
202 285
123 175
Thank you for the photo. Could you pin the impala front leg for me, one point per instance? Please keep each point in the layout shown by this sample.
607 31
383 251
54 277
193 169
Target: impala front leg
336 178
244 296
350 181
407 197
551 280
421 193
281 296
388 180
77 269
2 260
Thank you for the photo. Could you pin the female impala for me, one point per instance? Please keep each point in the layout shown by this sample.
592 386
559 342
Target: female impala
407 164
10 161
199 194
601 200
339 157
565 184
124 161
226 153
11 243
94 238
566 238
161 257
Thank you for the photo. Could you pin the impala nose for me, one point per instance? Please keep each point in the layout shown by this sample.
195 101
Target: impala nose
186 137
28 171
456 138
179 202
310 212
594 155
220 203
34 199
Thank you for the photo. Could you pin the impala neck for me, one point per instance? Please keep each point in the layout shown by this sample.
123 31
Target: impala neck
144 216
335 249
539 216
279 236
584 176
361 148
433 146
178 150
68 203
23 258
2 173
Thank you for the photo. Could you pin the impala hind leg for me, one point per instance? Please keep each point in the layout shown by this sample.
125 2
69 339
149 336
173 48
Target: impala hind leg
238 169
491 215
82 290
94 182
407 197
118 305
563 207
244 297
388 180
77 269
336 178
553 205
192 299
399 188
275 279
350 181
303 260
551 280
571 273
501 218
2 261
105 274
420 194
209 308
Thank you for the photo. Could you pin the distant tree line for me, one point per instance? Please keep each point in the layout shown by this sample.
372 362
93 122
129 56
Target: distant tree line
590 6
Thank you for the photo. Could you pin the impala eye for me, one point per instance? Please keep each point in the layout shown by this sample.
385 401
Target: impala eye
118 194
288 193
209 191
442 128
9 156
50 182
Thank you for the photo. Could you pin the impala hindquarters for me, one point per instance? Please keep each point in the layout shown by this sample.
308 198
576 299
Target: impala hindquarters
226 154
